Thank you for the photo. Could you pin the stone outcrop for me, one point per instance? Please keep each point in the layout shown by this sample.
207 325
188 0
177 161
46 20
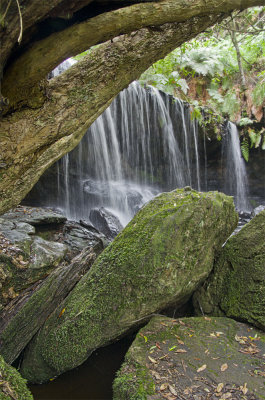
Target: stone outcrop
236 287
159 259
193 358
35 241
12 385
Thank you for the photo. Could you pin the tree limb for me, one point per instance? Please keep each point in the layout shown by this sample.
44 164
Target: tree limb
42 57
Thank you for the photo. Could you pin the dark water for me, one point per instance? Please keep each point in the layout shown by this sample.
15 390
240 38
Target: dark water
92 380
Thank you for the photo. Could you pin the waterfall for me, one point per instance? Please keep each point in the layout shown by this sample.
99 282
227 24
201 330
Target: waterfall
235 176
144 143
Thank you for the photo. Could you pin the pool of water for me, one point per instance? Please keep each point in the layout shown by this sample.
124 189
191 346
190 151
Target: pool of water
91 380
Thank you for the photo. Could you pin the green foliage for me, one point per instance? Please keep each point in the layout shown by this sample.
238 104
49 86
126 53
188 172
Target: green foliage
245 148
258 93
203 61
245 121
213 57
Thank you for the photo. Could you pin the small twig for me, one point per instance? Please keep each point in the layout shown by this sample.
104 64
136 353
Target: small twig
21 22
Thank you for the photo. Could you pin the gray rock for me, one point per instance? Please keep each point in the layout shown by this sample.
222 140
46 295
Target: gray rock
257 210
193 358
46 254
34 216
105 222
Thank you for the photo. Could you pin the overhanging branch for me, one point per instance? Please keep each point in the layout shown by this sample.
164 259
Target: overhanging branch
35 63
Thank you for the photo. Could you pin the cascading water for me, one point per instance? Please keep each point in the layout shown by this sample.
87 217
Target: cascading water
235 179
141 145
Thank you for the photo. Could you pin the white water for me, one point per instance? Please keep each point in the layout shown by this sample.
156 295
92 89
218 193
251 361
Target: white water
133 151
236 181
144 143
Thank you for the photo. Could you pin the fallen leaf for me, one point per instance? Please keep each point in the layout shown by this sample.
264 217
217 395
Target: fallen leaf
219 387
224 367
172 348
180 341
157 345
202 368
181 351
61 313
163 386
244 388
172 390
207 319
212 334
152 360
227 395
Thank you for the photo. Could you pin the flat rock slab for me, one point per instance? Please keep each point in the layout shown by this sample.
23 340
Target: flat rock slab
194 359
34 216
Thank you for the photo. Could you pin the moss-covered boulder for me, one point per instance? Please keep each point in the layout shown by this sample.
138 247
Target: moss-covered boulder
236 287
12 385
160 258
193 358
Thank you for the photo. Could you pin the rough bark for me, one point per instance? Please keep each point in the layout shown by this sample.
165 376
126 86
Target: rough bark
32 139
22 319
42 57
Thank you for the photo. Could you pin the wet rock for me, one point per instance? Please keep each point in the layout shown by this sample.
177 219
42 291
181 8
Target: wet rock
105 222
17 233
22 318
34 216
30 250
12 385
257 210
24 258
236 288
193 358
158 260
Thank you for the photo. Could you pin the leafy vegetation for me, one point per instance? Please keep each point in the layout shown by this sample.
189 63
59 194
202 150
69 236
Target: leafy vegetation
221 72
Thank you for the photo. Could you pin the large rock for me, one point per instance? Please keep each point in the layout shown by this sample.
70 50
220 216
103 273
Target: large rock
12 385
236 287
24 258
33 242
193 358
22 318
159 259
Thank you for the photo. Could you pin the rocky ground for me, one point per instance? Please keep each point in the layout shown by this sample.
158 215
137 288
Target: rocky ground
194 359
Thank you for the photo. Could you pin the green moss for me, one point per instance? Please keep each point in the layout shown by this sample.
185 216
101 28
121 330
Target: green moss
12 385
158 259
237 285
134 385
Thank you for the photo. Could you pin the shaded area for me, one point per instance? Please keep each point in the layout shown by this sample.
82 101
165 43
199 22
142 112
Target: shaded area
92 380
